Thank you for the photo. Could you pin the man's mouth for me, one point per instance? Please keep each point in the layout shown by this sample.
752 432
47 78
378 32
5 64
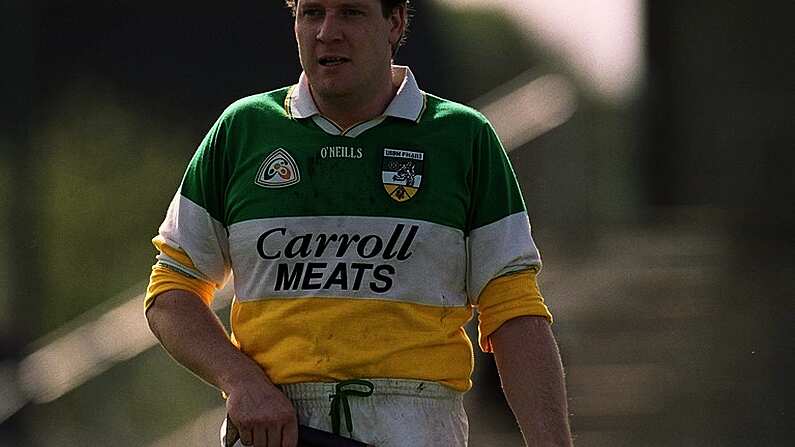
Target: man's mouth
331 61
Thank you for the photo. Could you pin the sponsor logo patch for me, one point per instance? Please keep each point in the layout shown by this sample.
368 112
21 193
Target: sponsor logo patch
351 261
401 173
278 170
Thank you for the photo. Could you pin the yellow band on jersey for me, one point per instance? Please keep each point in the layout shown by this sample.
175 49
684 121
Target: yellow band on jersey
333 339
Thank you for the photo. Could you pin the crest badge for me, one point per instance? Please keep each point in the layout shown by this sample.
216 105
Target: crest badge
278 170
401 173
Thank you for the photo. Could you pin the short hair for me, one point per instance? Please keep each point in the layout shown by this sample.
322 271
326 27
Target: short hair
387 6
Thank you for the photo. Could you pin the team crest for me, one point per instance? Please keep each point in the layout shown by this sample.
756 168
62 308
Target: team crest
278 170
401 172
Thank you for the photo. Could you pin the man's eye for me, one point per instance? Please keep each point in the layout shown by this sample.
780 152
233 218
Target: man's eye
312 12
352 12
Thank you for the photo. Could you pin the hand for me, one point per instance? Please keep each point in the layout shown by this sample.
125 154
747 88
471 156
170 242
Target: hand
263 415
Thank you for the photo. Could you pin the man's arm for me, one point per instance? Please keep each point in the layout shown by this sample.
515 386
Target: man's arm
531 372
192 334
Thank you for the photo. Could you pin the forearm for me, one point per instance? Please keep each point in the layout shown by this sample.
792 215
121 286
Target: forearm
192 334
531 372
194 337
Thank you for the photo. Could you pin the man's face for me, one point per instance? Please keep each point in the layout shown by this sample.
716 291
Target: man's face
345 46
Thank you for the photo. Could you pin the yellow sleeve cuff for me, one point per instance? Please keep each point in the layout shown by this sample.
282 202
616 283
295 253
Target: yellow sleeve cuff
173 253
164 279
509 296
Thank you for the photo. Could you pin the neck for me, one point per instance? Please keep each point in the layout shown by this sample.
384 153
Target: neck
349 110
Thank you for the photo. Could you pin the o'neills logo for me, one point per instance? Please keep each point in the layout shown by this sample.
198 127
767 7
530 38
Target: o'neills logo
371 249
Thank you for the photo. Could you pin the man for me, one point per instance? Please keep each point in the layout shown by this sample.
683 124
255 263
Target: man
363 220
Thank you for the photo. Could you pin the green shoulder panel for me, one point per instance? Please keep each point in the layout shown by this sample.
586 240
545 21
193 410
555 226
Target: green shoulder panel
495 192
208 175
496 189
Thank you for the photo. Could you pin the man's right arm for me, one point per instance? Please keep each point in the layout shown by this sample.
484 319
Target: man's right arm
195 338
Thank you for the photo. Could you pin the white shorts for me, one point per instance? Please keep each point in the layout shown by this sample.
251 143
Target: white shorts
399 413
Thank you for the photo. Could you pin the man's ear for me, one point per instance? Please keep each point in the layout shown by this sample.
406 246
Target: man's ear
398 19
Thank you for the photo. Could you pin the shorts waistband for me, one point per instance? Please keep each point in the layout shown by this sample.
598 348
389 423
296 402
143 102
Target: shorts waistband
382 387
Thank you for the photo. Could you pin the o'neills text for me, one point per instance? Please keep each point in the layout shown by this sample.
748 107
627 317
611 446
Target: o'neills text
342 275
340 152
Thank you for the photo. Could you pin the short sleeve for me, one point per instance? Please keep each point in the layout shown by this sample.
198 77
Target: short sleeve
499 240
192 240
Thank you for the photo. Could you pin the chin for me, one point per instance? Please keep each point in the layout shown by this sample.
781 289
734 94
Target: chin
332 89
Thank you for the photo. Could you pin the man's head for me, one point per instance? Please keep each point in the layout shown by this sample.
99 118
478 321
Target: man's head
346 46
387 6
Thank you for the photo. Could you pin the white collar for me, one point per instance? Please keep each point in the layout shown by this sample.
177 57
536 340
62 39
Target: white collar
408 103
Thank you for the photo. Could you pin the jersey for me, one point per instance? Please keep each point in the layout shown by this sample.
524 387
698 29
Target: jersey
357 253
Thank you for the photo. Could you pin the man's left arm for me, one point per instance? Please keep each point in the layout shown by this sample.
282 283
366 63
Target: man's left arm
531 372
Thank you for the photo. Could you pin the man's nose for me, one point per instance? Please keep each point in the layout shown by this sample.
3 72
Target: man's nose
330 29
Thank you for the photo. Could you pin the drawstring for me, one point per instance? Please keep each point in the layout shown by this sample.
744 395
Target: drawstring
341 398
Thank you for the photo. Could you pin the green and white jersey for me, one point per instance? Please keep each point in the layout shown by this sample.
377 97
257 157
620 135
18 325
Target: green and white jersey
410 214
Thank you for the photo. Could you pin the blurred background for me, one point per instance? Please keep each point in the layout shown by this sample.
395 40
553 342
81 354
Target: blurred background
653 142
